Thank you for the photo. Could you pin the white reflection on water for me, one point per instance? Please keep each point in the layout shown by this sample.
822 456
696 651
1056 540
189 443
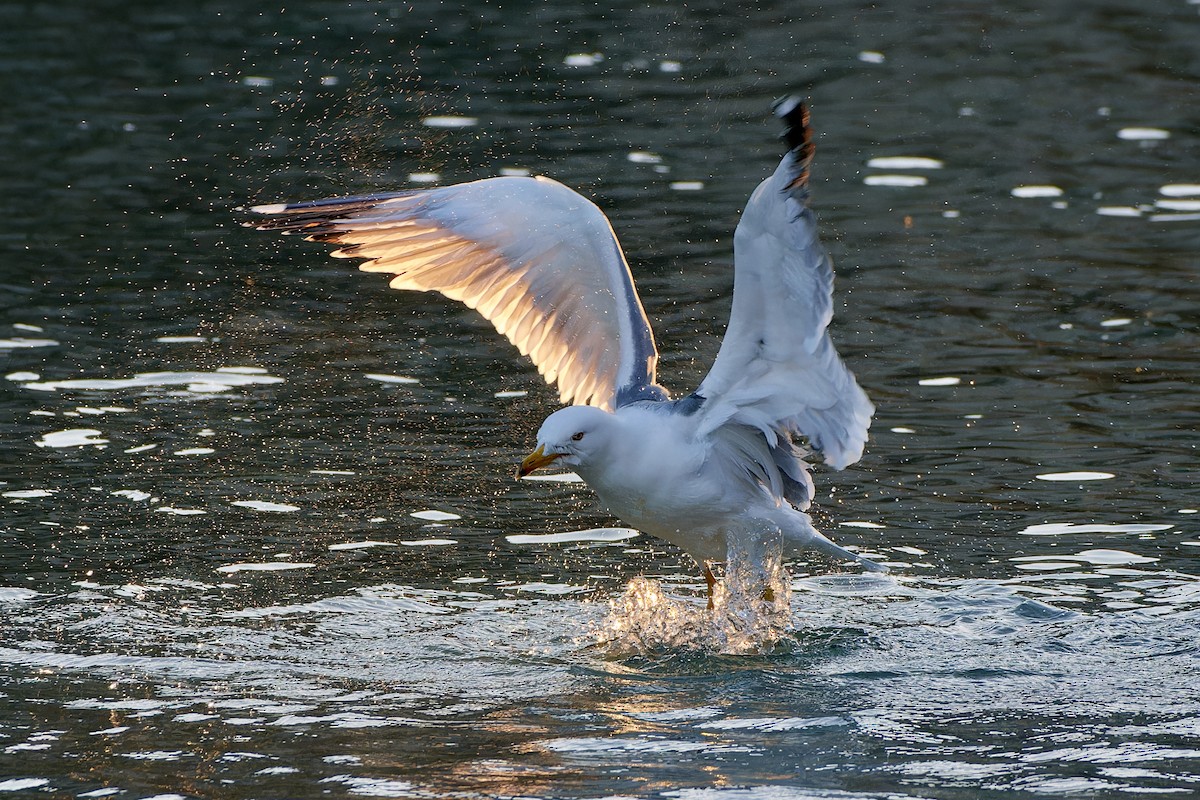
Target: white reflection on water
1143 134
898 181
265 566
1056 528
74 437
1081 475
262 505
435 515
219 380
904 162
589 535
1035 191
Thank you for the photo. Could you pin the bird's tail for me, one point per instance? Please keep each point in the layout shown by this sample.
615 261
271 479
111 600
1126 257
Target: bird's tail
799 534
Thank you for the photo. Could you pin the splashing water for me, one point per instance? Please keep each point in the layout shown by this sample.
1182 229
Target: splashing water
750 614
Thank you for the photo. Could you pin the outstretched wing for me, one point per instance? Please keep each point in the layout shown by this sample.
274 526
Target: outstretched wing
536 259
777 369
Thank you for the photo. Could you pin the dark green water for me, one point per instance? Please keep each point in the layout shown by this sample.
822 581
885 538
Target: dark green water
1037 638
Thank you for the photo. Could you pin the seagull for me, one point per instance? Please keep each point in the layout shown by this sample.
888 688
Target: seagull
716 468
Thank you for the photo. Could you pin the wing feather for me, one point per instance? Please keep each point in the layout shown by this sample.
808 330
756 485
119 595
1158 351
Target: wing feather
537 260
777 369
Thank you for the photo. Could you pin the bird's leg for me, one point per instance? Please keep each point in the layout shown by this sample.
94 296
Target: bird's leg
711 580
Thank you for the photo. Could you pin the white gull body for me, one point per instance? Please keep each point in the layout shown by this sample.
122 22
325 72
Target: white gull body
718 467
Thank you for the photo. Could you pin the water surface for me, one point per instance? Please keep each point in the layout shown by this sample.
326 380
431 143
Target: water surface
260 535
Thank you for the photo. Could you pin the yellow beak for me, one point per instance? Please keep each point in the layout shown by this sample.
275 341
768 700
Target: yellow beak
536 460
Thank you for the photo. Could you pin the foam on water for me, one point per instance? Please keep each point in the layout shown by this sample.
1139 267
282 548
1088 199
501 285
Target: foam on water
750 614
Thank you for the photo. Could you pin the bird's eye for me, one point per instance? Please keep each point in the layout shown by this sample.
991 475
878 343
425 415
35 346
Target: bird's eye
577 437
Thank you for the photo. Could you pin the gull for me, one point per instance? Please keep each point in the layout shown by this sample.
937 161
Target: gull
721 467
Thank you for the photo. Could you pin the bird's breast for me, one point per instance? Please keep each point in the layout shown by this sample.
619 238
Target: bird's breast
656 484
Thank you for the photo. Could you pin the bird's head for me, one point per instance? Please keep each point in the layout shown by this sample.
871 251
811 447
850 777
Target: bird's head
570 436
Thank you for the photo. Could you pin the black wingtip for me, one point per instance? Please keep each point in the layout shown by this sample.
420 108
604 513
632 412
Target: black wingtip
798 136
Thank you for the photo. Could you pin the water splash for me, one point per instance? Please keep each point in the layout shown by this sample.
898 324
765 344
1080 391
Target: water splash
750 613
